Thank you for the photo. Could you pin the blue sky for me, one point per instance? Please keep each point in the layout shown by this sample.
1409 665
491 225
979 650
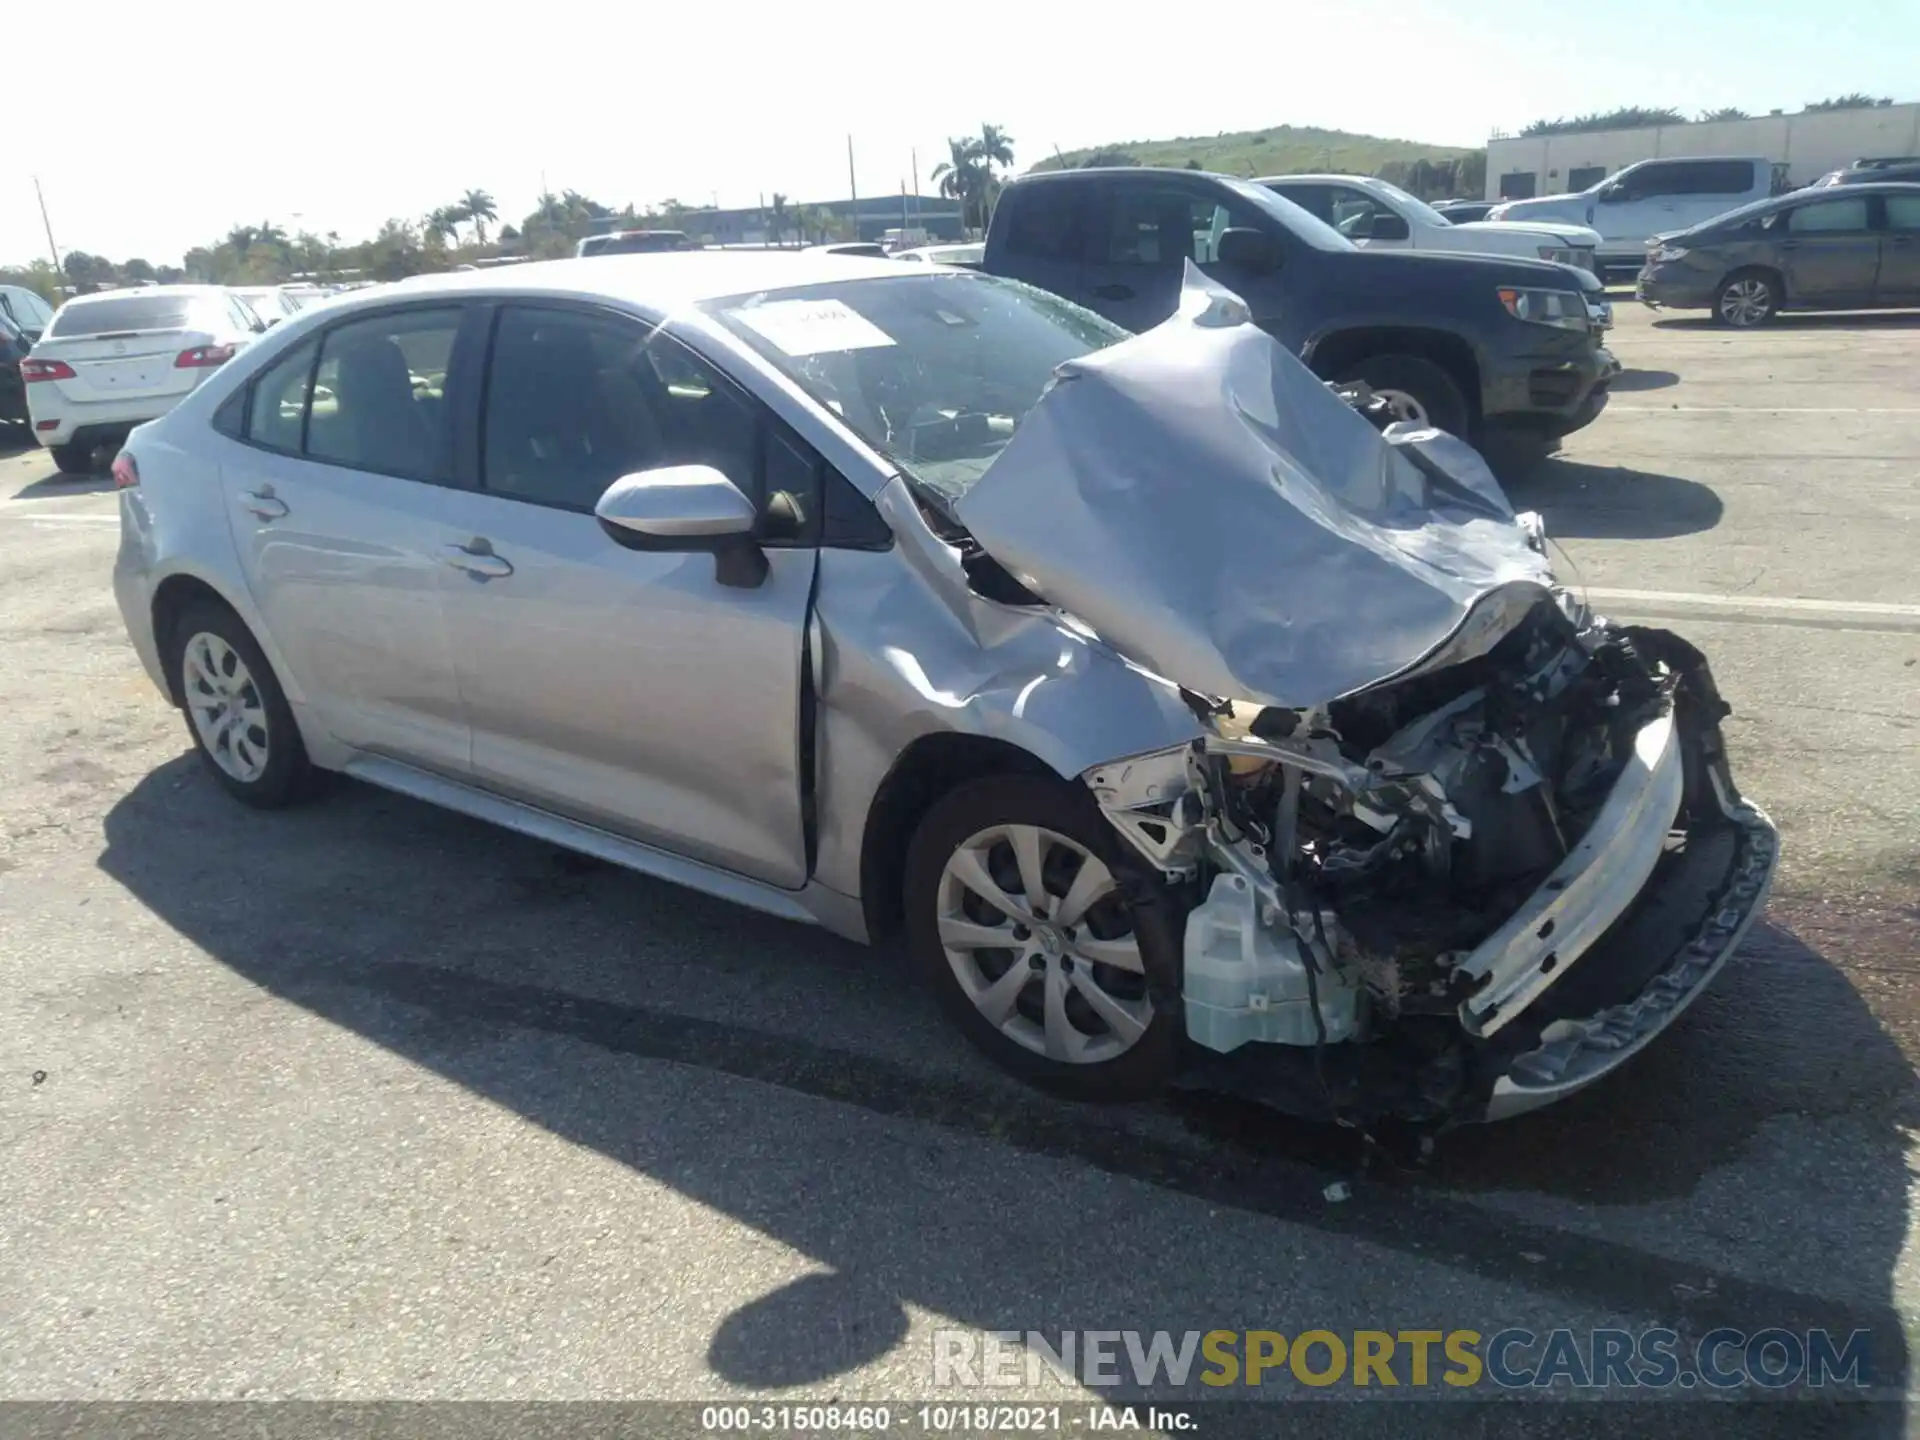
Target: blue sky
335 117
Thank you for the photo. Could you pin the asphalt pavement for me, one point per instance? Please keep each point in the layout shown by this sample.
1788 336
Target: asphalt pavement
366 1101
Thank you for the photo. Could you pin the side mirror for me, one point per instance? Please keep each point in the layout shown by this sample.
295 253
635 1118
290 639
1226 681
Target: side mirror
686 508
1254 252
1388 226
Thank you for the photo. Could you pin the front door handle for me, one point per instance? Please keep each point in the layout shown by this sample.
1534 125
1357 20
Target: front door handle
1113 292
476 557
263 503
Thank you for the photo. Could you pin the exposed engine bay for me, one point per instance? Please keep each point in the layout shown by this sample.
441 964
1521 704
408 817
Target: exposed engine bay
1357 870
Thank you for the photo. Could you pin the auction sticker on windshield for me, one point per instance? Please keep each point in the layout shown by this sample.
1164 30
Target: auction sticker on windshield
811 327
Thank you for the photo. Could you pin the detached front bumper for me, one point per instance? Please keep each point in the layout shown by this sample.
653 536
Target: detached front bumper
1658 954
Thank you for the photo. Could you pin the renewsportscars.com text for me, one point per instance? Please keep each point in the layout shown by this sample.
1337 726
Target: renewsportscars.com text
1656 1358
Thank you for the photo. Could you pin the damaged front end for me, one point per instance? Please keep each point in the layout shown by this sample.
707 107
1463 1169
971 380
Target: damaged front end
1452 847
1459 895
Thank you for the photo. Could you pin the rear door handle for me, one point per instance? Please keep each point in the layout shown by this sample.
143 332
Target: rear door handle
1113 292
476 557
263 503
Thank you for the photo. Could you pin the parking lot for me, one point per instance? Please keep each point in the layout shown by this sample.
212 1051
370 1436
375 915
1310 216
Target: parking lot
366 1100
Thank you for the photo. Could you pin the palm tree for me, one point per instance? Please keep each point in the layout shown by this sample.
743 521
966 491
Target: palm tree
478 206
777 221
240 239
996 146
268 233
441 224
962 175
550 208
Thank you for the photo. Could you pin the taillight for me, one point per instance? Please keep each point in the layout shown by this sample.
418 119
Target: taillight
126 474
201 356
32 370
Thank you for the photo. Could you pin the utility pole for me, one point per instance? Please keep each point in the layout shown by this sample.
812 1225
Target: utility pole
47 224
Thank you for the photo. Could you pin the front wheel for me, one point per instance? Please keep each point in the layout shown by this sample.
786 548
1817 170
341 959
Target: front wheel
1747 300
1053 950
1414 389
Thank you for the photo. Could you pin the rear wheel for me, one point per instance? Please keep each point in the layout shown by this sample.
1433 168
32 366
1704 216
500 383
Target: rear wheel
72 459
236 711
1749 299
1053 951
1415 389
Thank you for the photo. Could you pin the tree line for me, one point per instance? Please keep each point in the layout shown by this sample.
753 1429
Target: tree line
445 236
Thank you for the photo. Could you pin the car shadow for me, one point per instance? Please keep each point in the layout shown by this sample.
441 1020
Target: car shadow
1579 500
589 1001
1793 320
59 484
1628 380
15 439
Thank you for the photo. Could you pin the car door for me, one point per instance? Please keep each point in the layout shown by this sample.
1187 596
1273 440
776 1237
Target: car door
1039 236
1702 189
337 490
1141 237
1899 281
1829 251
631 690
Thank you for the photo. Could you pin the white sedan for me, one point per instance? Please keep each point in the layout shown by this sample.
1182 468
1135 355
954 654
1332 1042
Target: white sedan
111 361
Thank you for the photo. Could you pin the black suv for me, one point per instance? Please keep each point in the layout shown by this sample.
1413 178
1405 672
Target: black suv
1488 348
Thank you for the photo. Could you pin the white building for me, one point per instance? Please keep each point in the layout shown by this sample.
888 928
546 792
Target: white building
1806 145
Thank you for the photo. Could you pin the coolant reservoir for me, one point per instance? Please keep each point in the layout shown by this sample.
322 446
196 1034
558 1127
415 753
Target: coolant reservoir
1246 981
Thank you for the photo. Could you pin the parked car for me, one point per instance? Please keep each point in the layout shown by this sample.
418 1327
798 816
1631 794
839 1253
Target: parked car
868 249
1650 198
1872 172
110 361
1832 249
1166 706
1492 350
1462 212
270 302
28 312
1378 216
634 242
14 345
971 254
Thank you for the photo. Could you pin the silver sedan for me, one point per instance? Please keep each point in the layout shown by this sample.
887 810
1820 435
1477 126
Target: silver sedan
1174 714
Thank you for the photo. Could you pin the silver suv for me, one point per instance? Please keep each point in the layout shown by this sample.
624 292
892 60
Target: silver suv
1173 713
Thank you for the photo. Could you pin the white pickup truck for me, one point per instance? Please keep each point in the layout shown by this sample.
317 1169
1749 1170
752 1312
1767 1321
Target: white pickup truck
1377 215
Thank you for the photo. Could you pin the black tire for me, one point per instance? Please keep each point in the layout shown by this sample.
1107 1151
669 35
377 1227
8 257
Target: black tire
1142 905
1437 392
72 459
288 776
1760 285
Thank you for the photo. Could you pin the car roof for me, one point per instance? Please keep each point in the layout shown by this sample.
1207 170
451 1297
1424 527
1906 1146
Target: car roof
1319 179
123 291
1107 172
659 282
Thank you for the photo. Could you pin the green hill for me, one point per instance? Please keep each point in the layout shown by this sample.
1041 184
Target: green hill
1285 149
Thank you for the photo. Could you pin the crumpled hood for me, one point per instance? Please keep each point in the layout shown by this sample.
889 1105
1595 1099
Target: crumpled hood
1219 516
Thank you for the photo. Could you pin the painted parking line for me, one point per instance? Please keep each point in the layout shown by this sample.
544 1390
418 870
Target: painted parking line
1760 609
64 517
1763 409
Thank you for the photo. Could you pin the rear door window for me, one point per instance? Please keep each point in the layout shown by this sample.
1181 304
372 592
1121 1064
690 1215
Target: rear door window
1047 222
379 395
1903 212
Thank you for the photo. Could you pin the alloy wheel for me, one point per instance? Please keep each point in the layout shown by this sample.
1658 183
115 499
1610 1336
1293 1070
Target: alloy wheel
1041 940
1746 302
225 706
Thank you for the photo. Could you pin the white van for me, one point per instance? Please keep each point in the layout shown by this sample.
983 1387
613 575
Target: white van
1652 198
